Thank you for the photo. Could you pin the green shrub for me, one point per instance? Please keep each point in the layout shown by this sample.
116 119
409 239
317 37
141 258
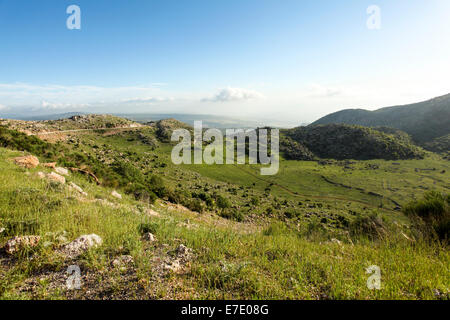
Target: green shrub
232 214
222 202
128 172
175 196
254 201
144 228
291 214
157 186
431 215
141 193
195 205
371 226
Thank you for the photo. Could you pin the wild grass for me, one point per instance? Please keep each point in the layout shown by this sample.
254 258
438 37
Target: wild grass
232 260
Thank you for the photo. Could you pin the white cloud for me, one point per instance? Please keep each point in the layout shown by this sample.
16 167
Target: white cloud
320 91
60 106
59 97
3 107
235 94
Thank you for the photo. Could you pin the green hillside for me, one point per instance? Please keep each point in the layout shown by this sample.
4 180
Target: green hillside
221 231
337 141
424 121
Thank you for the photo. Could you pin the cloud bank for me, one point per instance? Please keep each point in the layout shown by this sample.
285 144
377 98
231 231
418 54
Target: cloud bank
234 94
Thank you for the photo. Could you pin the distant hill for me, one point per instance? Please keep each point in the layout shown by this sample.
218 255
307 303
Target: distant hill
439 145
75 122
339 141
165 128
210 121
424 121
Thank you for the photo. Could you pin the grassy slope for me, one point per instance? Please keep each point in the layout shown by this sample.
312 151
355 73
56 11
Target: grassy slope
297 181
232 260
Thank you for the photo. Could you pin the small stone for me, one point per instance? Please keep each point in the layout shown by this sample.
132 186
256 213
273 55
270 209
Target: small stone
56 177
182 249
2 230
41 175
81 244
149 237
51 165
336 241
151 212
173 266
437 294
117 195
29 162
77 188
18 243
183 253
62 171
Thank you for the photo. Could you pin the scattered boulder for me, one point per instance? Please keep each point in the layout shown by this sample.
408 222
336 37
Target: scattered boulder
117 195
28 162
62 171
51 165
151 212
77 188
56 177
20 242
149 237
183 253
81 245
172 265
334 240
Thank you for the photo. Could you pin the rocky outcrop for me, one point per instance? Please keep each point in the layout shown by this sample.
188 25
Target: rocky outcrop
81 245
28 162
117 195
62 171
21 242
77 188
51 165
180 257
56 178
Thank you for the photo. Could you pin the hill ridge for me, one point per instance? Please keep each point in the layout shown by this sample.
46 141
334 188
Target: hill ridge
424 121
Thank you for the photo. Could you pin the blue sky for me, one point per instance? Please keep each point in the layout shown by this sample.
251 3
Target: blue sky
294 60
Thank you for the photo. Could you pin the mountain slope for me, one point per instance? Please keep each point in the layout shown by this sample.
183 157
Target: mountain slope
424 121
338 141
